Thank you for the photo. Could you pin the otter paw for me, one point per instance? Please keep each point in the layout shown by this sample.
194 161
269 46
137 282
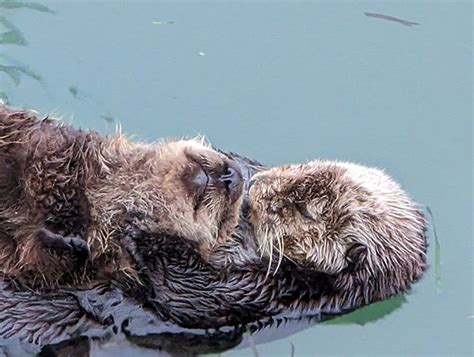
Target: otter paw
75 245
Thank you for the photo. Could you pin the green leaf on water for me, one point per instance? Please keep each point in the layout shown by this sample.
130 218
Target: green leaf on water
370 313
13 38
13 4
13 35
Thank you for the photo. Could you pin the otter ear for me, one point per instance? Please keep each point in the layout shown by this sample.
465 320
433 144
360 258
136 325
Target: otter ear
356 255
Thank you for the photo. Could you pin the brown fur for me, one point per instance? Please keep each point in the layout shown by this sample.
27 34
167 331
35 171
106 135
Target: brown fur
77 183
335 236
346 220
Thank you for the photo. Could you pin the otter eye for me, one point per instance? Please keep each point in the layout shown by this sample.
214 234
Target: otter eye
200 182
195 179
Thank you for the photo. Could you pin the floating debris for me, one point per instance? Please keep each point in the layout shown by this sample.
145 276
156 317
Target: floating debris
74 91
162 22
13 35
201 54
108 118
390 18
13 4
77 93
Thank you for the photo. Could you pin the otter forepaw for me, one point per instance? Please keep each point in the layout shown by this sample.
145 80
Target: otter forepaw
75 245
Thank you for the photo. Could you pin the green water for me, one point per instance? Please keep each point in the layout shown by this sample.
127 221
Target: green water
282 82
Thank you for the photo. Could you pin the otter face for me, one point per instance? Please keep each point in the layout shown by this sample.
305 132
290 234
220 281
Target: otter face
201 191
339 218
289 212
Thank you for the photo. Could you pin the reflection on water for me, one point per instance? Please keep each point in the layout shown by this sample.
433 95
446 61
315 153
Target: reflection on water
292 83
437 251
65 321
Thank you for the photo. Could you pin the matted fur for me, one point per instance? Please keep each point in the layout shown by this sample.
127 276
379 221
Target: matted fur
79 183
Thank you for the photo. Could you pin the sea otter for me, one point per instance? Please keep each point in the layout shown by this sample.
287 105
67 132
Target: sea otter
200 237
326 238
65 192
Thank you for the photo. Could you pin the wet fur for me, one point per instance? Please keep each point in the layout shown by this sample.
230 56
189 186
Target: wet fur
74 183
42 178
342 219
326 237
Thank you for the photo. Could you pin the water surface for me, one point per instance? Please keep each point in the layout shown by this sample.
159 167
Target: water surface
282 82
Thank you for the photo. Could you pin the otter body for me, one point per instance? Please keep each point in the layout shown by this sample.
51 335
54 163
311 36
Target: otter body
43 205
200 237
65 194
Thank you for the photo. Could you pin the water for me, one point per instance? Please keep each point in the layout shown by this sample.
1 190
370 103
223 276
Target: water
284 82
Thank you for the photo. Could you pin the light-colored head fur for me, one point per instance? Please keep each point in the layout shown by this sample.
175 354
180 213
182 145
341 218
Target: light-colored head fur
342 219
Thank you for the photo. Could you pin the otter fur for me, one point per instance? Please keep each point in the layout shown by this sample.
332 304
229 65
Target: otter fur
65 192
346 220
207 238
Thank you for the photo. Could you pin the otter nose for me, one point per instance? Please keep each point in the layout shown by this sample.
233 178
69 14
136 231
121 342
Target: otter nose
233 181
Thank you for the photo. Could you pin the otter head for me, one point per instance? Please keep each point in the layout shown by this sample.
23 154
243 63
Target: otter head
345 220
200 190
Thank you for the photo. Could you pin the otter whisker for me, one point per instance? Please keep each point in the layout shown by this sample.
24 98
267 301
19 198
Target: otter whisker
262 246
280 253
270 242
